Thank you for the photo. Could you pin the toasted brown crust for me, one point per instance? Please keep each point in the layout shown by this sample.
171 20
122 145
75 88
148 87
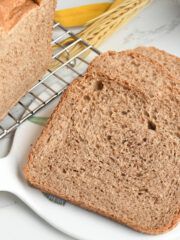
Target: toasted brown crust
47 131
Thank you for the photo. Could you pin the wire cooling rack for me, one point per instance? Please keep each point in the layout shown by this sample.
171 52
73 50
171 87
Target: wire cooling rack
64 69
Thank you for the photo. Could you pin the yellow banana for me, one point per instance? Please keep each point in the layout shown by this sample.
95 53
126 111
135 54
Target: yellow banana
78 16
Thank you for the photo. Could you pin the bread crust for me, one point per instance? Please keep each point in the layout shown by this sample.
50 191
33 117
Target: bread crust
47 130
80 204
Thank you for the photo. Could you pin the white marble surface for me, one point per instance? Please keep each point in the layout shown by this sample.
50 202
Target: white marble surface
157 25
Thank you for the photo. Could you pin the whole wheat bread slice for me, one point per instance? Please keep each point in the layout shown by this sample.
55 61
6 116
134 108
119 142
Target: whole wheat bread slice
171 62
110 148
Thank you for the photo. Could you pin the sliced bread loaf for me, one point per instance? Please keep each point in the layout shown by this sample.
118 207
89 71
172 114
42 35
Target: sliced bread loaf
109 148
25 47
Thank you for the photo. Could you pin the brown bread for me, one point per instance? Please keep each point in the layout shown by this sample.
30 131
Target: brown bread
25 49
112 144
171 62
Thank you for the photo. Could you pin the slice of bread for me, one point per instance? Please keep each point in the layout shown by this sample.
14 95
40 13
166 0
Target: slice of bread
25 47
171 62
112 147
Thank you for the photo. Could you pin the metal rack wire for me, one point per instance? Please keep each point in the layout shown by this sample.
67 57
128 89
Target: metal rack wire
54 82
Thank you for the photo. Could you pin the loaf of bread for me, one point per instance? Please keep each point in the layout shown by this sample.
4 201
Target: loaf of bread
25 49
112 144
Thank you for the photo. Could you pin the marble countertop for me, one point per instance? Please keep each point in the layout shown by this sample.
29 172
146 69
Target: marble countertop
158 25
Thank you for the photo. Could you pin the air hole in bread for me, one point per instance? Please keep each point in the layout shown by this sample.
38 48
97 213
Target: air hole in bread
146 114
110 113
151 125
87 98
139 174
135 63
125 112
99 86
178 134
50 167
142 191
156 200
109 137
